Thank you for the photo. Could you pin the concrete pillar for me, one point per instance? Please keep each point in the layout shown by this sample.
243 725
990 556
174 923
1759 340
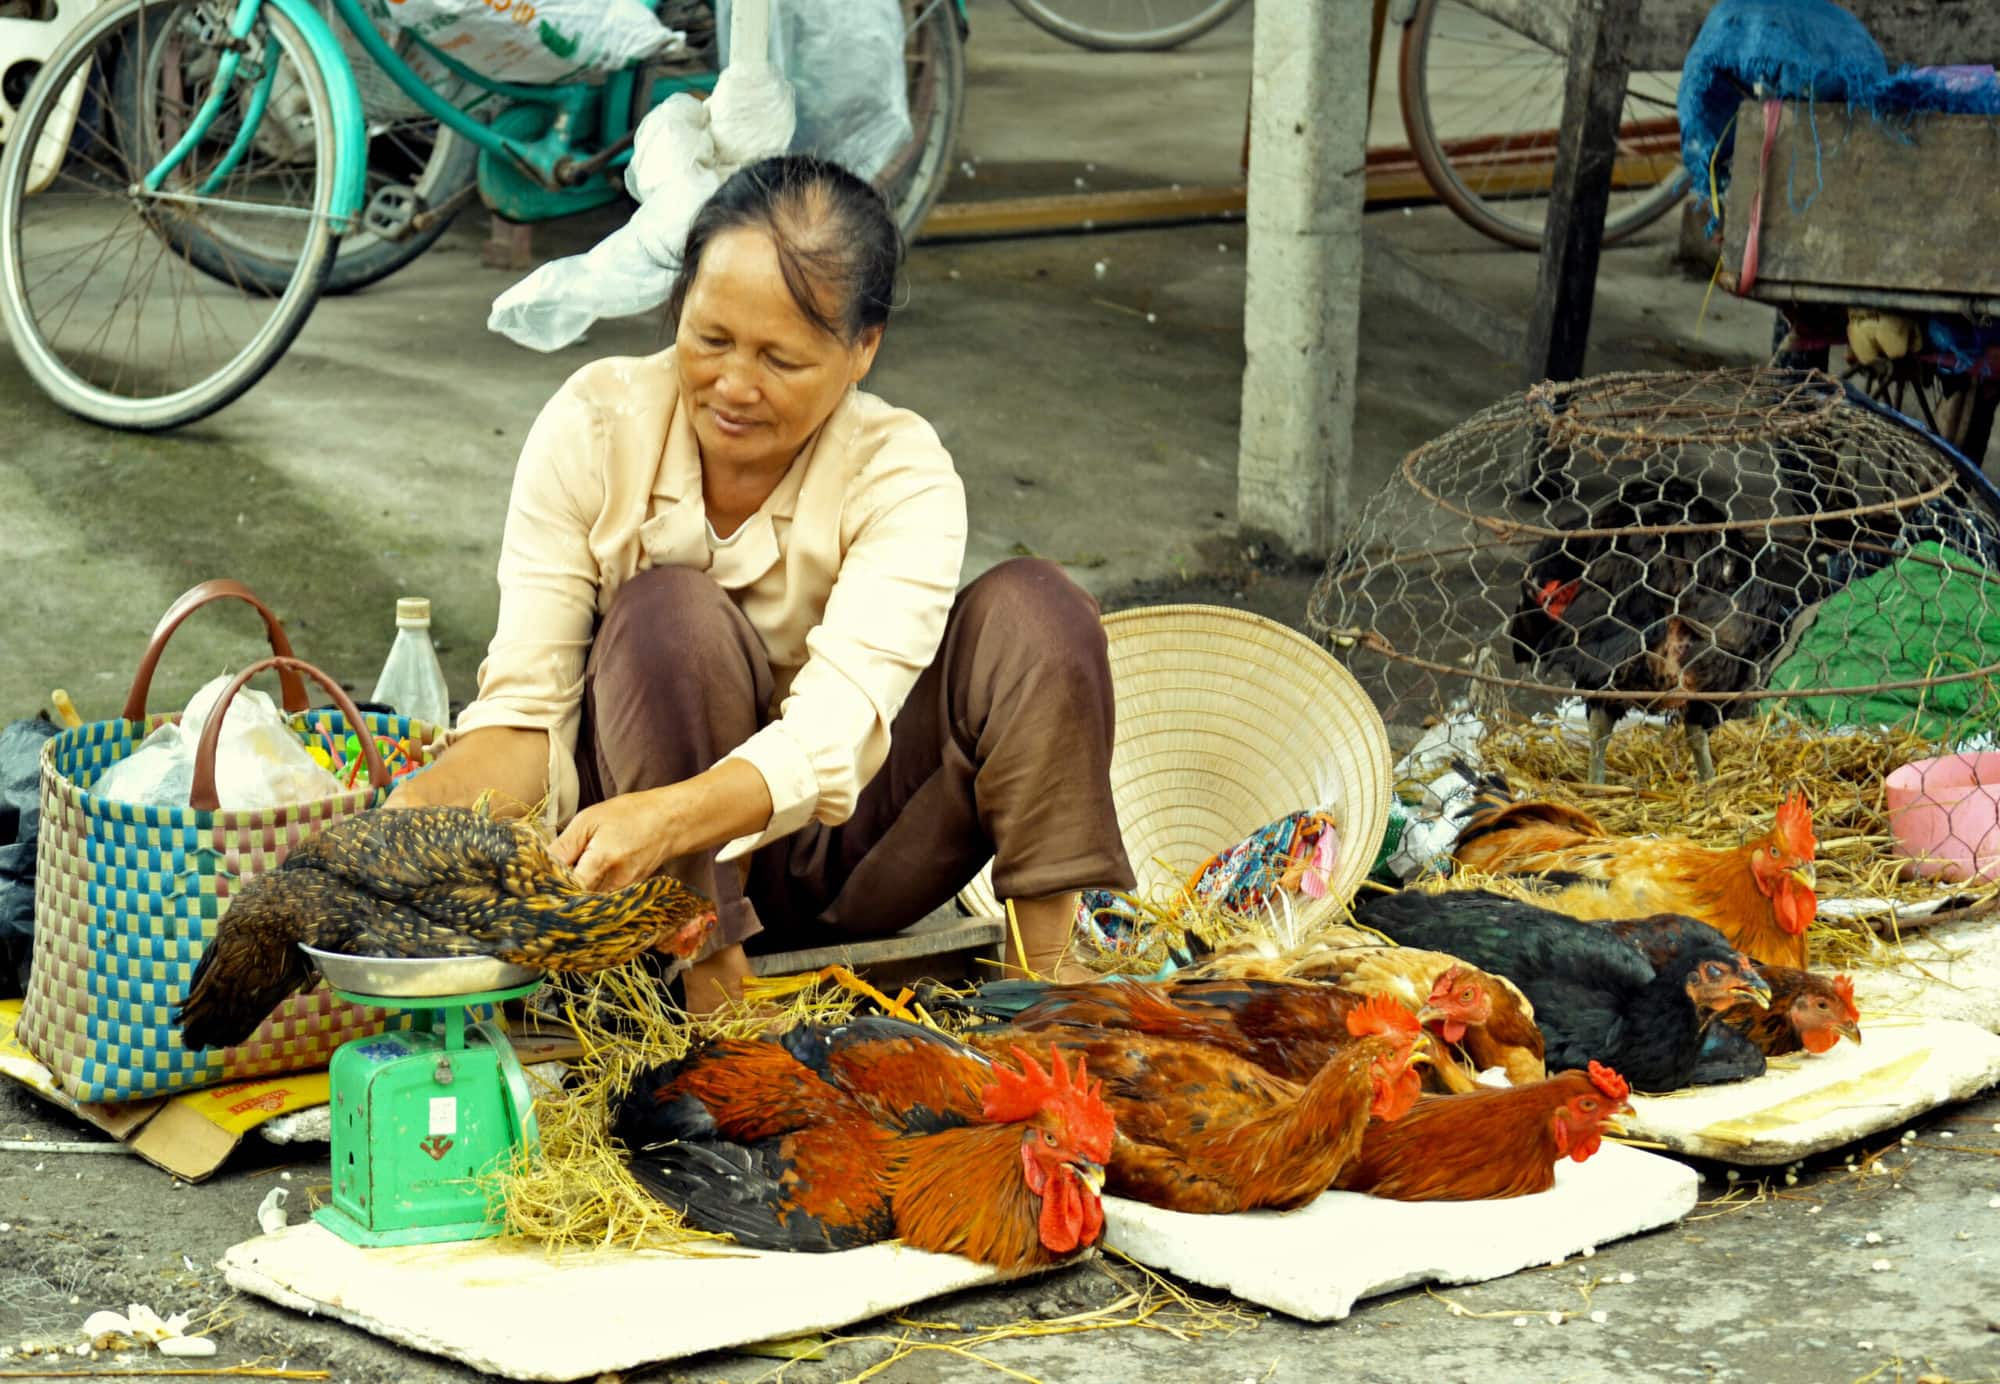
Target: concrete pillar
1302 302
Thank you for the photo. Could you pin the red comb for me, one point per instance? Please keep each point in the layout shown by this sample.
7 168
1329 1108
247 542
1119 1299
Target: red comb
1016 1096
1844 987
1608 1081
1380 1014
1795 825
1447 979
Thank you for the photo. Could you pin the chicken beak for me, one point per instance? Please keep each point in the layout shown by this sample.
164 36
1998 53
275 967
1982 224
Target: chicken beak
1805 874
1616 1124
1092 1175
1430 1014
1756 989
1848 1030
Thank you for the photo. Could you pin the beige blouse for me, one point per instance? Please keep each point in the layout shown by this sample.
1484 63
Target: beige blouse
846 572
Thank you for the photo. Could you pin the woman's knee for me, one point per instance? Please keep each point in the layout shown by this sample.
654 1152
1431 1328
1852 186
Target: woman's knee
1032 602
666 619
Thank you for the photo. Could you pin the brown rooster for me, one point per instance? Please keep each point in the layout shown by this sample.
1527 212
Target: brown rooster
1202 1130
426 881
1361 963
1494 1142
831 1137
1759 895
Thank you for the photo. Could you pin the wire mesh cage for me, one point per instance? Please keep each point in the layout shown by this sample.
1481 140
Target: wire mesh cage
1758 547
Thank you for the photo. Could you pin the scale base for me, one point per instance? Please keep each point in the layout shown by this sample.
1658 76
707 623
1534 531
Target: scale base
355 1233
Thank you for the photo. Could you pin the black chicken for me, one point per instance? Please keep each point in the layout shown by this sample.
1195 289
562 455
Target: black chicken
1667 613
425 881
1595 996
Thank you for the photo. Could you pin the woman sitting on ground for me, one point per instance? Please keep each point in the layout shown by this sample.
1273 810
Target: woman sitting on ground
731 644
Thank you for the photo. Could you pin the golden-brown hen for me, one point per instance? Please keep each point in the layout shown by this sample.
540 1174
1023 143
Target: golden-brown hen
1759 894
426 881
1362 964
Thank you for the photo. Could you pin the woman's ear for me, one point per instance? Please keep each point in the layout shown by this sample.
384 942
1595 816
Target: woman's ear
862 353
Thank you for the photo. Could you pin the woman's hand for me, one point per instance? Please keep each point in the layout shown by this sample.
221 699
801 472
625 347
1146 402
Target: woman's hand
624 839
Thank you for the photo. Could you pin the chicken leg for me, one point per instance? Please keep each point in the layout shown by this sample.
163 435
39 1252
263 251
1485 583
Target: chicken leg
1601 724
1697 742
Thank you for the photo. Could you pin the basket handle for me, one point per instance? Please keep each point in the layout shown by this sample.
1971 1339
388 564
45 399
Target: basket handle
291 688
201 794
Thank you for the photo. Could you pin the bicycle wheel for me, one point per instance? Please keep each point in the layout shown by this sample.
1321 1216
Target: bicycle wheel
97 286
1128 26
1482 105
934 65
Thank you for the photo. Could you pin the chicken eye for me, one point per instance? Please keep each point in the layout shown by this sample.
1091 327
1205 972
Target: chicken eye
1774 852
1588 1105
1048 1138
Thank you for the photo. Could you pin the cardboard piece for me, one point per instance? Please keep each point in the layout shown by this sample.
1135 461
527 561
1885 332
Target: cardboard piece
490 1303
1317 1262
1806 1104
192 1134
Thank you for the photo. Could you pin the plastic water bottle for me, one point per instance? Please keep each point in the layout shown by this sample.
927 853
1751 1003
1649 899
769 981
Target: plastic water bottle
412 680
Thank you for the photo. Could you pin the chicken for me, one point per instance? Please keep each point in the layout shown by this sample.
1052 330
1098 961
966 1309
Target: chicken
1808 1010
831 1137
1490 1143
1359 962
1201 1130
1759 894
1668 613
1595 996
427 881
1290 1028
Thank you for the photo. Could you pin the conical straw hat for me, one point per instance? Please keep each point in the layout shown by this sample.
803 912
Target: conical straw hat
1228 721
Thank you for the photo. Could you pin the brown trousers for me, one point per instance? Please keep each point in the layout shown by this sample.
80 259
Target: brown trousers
1002 752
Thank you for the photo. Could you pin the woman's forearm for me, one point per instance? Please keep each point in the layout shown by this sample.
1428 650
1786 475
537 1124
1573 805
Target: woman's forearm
514 763
716 806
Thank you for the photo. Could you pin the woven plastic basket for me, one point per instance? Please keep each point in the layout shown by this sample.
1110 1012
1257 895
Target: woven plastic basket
127 896
1228 721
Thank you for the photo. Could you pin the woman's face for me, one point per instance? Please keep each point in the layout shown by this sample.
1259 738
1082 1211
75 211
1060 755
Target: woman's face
760 375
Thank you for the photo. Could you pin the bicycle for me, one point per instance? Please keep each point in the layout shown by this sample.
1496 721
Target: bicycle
1128 26
218 151
1482 104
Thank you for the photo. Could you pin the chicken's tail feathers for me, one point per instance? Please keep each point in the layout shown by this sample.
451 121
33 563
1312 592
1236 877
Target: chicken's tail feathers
737 1190
1495 810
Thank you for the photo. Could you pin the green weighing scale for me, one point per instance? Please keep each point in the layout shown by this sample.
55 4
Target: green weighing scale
423 1118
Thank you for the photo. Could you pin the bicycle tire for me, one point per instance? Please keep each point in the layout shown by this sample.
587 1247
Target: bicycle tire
914 180
101 41
1049 18
1420 127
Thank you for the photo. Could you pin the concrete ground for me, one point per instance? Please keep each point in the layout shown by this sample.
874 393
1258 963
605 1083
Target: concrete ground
1089 388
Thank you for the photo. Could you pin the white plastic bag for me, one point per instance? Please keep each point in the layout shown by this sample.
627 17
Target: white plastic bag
844 59
683 151
160 773
834 86
259 763
533 41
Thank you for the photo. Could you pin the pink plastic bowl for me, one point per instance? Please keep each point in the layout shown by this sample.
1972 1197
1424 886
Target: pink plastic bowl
1945 814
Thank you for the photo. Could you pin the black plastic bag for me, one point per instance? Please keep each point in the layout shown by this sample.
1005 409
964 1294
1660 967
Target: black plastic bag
20 818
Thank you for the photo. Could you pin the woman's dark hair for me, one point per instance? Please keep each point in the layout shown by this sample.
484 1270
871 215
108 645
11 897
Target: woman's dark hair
834 234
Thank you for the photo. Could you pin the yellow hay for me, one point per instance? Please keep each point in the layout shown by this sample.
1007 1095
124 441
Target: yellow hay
578 1193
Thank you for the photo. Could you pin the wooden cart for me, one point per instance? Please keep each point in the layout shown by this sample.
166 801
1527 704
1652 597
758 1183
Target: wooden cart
1837 210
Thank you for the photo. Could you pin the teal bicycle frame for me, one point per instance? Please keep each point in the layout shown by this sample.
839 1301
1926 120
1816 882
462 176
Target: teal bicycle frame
528 170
